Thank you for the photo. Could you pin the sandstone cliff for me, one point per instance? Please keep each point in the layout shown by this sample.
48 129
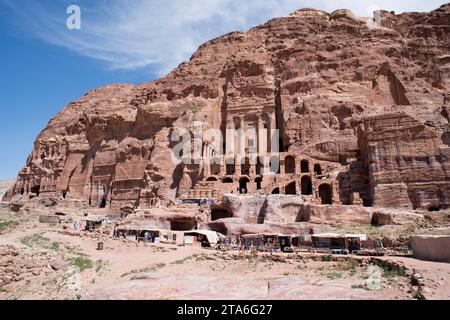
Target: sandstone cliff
368 102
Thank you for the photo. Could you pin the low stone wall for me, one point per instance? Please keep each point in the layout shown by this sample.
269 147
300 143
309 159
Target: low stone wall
431 248
49 219
382 217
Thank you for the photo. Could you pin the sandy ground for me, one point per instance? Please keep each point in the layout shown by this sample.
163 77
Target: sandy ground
435 274
49 262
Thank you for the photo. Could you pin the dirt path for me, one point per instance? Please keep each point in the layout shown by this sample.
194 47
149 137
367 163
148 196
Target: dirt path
125 270
436 276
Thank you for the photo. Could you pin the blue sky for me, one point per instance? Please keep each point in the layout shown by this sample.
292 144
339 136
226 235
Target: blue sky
44 66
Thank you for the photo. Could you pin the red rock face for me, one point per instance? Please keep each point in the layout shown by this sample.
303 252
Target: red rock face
407 165
369 104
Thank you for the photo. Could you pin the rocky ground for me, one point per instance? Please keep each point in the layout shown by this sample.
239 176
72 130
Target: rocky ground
40 261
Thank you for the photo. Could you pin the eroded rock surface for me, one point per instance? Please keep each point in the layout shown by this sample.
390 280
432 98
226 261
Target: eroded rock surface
363 112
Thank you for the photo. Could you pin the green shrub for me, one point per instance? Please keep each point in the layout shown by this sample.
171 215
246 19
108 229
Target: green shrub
100 265
83 263
334 275
327 258
11 224
349 265
408 231
393 273
55 246
35 239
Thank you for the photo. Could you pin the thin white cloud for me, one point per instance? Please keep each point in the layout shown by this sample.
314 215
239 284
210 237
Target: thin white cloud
162 34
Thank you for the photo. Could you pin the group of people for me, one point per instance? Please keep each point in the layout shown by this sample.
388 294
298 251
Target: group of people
148 236
248 246
78 226
119 234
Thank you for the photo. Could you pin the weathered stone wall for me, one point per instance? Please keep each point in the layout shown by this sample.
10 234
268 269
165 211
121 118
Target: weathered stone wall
260 209
407 166
431 248
314 76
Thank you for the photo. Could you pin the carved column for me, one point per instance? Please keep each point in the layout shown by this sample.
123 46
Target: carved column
269 133
231 141
242 139
261 138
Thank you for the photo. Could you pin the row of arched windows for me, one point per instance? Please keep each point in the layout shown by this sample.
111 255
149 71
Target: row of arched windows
325 190
274 165
306 188
291 188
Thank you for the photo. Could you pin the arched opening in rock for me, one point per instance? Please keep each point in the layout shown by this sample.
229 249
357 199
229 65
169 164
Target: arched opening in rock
220 228
289 165
374 221
367 202
261 217
103 203
304 166
291 188
434 208
215 166
227 180
220 213
258 182
306 186
243 182
230 167
182 225
326 193
64 194
276 191
245 167
212 179
103 194
446 135
318 169
259 166
22 191
36 190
